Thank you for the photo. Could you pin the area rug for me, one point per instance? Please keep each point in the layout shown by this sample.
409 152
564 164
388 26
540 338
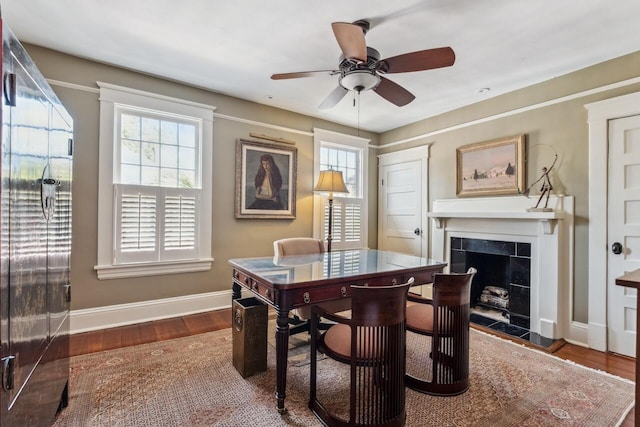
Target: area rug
192 382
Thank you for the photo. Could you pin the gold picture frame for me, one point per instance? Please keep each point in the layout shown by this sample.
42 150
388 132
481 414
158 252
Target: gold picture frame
491 167
261 195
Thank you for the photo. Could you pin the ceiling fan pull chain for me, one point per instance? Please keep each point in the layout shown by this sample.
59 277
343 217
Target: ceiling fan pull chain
354 100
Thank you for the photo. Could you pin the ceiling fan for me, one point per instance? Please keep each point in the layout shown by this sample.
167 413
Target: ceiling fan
360 67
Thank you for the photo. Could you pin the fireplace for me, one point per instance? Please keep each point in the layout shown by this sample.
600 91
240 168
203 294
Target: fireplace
523 260
501 288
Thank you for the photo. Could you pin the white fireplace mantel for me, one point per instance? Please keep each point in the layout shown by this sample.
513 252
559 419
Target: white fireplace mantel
507 219
547 220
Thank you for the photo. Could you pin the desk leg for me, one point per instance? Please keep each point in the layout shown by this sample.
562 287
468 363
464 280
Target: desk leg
282 353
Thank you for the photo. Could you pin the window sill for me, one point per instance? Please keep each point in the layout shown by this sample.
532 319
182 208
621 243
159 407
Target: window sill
106 272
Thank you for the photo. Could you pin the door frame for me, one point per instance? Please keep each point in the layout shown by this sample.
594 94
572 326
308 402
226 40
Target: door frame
409 155
599 114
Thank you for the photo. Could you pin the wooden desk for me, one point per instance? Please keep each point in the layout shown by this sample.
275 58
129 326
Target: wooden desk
632 280
294 281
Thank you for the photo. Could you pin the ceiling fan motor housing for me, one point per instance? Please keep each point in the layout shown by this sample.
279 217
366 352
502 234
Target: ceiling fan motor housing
348 64
357 75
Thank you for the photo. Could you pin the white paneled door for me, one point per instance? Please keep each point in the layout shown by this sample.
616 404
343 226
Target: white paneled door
401 188
402 206
623 231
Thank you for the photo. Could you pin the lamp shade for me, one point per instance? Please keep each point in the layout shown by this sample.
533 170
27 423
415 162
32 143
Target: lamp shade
331 181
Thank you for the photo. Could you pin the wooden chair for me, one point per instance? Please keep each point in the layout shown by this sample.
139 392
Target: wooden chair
372 343
449 353
299 320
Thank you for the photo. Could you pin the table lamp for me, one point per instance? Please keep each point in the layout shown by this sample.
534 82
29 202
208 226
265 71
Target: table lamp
330 181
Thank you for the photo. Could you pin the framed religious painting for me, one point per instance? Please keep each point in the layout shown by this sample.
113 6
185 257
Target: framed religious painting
265 180
491 167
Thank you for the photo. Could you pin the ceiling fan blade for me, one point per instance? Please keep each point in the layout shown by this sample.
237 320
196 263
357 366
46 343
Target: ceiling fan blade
418 61
376 21
299 74
334 97
350 38
393 92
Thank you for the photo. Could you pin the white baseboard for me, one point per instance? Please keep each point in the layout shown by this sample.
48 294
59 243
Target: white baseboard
111 316
598 336
578 334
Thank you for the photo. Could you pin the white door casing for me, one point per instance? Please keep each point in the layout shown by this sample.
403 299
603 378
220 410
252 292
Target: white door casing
599 115
402 201
623 228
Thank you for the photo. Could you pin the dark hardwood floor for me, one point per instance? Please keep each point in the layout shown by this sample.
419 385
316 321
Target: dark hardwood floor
141 333
108 339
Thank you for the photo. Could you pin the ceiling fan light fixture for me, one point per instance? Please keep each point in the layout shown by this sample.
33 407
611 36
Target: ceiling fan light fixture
360 67
360 80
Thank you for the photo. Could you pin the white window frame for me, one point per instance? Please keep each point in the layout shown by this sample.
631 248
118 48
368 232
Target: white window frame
112 98
322 137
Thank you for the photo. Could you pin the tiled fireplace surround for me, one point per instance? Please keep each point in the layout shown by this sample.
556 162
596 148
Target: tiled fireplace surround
497 225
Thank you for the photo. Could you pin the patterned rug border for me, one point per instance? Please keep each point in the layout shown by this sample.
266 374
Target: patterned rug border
227 410
569 362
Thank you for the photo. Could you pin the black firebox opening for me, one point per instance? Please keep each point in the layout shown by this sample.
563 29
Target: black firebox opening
490 287
500 291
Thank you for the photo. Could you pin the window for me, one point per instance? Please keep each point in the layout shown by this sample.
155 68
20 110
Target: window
154 198
348 154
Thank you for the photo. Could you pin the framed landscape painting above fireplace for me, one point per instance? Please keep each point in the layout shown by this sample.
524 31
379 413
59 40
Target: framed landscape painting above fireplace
491 167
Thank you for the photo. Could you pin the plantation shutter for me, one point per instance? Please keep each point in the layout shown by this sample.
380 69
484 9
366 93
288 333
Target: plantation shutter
180 224
138 213
347 225
154 223
352 226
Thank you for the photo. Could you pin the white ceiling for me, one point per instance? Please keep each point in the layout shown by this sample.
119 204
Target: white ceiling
233 47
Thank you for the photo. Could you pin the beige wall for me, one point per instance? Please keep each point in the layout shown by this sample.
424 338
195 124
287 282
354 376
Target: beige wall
231 237
562 125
